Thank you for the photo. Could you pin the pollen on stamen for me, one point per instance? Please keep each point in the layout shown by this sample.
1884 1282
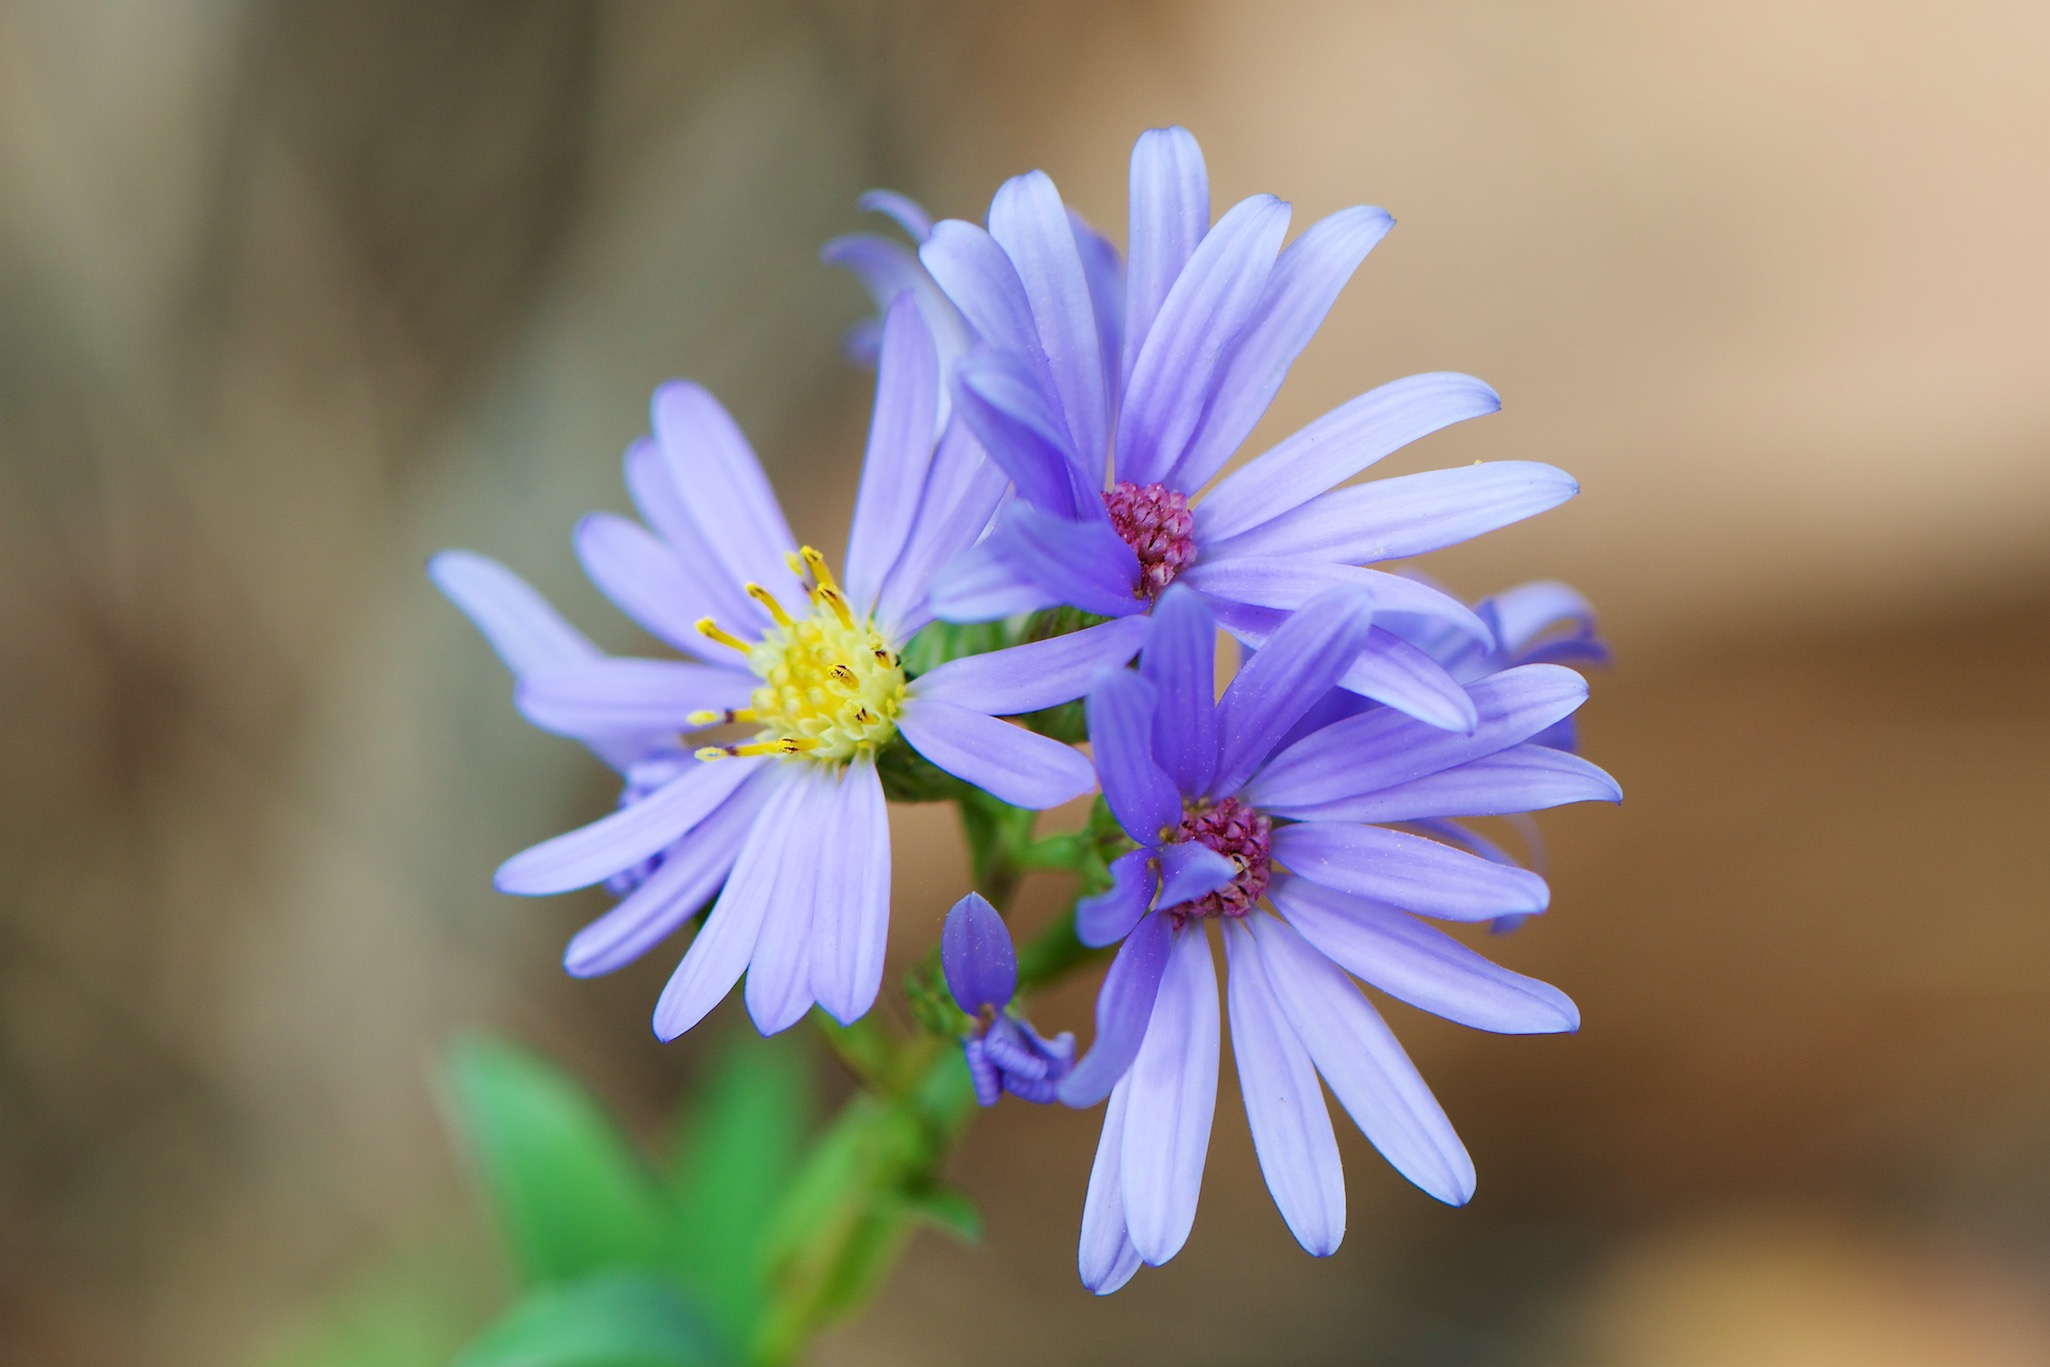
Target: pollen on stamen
711 630
706 716
768 601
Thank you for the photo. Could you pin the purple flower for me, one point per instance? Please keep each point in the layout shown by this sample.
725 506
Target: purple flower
1004 1052
1233 818
1112 396
787 827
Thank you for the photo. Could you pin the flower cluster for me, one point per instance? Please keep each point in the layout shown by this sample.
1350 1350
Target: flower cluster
1049 430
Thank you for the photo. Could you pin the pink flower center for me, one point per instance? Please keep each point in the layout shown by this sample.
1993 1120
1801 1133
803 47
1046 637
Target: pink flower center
1155 522
1242 834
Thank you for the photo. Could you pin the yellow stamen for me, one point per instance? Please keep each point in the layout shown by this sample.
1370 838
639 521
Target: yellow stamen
830 596
709 628
843 674
816 563
782 745
708 753
708 717
768 600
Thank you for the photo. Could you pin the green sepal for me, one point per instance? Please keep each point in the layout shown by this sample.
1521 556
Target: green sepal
612 1319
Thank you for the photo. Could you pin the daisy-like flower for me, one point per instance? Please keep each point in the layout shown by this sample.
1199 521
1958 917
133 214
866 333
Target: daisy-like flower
1113 395
1004 1052
787 826
1230 823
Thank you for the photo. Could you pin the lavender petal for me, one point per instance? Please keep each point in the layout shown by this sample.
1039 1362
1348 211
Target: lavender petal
1523 778
851 926
1109 916
1029 221
1312 650
1106 1258
899 454
1172 1102
628 697
1019 766
1025 678
1170 212
1180 663
623 839
1407 871
722 484
1123 1006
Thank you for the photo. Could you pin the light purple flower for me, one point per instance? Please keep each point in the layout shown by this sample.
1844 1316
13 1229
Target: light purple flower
1113 395
1004 1052
1233 819
787 827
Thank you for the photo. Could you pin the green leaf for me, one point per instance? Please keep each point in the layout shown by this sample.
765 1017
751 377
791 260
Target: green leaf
571 1195
734 1154
618 1319
949 1208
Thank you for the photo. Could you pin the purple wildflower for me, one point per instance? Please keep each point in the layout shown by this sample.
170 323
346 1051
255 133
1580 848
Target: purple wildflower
1004 1052
1113 395
1225 810
788 827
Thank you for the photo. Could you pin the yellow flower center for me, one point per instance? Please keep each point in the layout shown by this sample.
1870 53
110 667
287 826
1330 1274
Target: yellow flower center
831 686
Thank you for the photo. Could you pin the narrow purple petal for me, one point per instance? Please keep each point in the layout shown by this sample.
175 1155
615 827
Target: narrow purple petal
900 447
526 633
646 581
1209 302
1390 670
1366 1068
1106 1258
1284 1103
887 269
723 486
1173 1100
1139 794
1421 964
1083 563
1380 749
909 214
778 991
1523 778
1388 519
1189 870
1407 871
1109 916
716 958
1123 1006
1305 284
980 585
704 583
1338 446
1180 662
1525 612
1008 412
1004 683
851 921
692 870
595 852
976 956
1106 275
983 284
1170 212
1021 767
625 697
1287 583
1029 221
962 491
1311 652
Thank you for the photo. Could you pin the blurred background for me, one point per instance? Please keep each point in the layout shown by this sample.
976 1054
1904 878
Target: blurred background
293 293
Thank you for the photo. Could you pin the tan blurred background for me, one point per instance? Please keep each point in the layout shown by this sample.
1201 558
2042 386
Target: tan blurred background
293 293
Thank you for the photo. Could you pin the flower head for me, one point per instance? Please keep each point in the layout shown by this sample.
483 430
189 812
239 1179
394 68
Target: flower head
1112 395
1282 842
785 824
1004 1052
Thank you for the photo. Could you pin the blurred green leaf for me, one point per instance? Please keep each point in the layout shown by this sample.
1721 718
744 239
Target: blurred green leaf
948 1208
618 1319
570 1193
415 1306
734 1153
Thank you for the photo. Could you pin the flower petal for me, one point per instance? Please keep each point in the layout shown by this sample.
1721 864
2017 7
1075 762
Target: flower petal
703 584
1106 275
1408 871
1004 683
1525 612
1284 1103
722 484
778 991
1286 583
1009 762
716 958
1306 281
1180 662
626 697
692 870
1420 964
1106 1258
1338 446
962 491
1311 652
1172 1102
1366 1068
645 580
1138 793
851 921
1007 410
981 281
1123 1006
887 269
1109 916
900 448
1083 563
1209 302
623 839
1390 670
1380 749
1029 221
1523 778
979 584
1189 870
1388 519
908 213
526 632
1170 212
976 955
